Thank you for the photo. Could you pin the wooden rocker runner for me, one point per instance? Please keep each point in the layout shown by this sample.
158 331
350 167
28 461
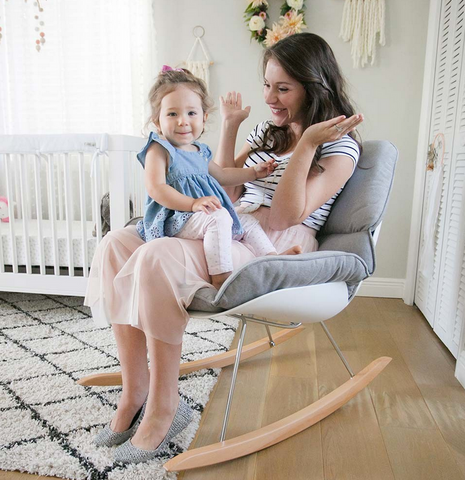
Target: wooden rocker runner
308 288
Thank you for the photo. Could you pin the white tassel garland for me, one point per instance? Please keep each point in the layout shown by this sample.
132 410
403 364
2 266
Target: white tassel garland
362 20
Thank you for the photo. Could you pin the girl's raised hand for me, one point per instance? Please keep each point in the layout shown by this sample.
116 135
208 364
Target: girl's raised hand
264 169
206 204
231 108
331 130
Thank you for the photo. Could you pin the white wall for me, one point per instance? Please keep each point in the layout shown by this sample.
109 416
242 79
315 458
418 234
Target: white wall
388 93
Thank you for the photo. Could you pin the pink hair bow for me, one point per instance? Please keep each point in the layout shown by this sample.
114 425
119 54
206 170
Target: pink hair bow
167 68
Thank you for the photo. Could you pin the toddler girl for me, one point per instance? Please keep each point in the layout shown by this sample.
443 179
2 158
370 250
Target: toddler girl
185 199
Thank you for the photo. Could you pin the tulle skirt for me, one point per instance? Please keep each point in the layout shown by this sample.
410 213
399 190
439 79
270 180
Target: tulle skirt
150 285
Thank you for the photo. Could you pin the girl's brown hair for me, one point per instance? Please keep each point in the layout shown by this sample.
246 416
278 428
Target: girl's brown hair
307 58
168 82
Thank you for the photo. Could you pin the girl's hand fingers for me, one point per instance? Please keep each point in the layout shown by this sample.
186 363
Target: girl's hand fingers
239 100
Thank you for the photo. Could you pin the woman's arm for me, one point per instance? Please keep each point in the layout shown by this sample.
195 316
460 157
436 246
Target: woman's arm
156 162
301 191
232 115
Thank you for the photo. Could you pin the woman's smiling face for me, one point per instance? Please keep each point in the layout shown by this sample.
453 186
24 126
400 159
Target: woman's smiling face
284 95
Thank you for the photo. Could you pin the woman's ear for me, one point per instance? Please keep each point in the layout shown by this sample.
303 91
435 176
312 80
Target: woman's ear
205 116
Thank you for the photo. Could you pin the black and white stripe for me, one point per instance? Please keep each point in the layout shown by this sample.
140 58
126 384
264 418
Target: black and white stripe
261 191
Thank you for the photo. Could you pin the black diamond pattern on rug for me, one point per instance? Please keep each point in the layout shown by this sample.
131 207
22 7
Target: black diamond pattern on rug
47 420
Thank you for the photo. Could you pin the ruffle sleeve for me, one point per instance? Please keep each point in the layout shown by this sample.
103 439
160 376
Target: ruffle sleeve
153 137
205 151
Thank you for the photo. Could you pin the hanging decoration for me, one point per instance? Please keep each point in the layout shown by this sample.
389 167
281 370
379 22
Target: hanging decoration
435 165
199 68
291 21
39 24
38 28
362 21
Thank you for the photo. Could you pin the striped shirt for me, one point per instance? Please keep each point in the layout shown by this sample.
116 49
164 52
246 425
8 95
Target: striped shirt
261 191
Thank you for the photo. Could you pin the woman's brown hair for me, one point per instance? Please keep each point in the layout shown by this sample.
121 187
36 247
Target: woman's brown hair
307 58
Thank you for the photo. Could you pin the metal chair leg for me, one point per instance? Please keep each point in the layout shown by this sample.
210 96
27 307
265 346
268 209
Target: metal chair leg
338 350
233 381
272 344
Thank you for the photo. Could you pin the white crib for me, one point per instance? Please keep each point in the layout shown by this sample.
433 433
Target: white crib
54 185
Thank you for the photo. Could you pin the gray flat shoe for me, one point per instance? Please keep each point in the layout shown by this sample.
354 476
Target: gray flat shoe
128 453
108 438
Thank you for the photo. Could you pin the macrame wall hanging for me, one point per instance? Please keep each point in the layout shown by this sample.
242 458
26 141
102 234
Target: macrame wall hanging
362 20
200 68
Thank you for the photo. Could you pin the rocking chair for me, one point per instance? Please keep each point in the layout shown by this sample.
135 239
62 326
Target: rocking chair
301 289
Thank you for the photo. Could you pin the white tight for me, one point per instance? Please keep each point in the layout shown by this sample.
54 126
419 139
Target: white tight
215 230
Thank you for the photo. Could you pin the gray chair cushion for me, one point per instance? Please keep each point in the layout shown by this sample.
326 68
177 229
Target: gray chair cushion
347 250
362 204
267 274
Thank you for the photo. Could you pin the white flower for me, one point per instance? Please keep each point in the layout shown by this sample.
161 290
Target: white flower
295 4
256 23
258 3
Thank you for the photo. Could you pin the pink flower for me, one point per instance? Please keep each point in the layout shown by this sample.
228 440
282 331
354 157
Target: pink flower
263 15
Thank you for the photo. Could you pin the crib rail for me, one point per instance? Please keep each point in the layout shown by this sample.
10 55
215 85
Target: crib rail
53 185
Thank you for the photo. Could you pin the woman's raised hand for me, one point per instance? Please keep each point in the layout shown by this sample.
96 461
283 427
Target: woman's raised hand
206 204
264 169
231 108
331 130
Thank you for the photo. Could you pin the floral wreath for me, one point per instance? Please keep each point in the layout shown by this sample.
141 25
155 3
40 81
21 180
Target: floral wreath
291 21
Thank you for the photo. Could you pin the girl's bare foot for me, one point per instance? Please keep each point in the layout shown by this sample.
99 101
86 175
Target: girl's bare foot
295 250
218 280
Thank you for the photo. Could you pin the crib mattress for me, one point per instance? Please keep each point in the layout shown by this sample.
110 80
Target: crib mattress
34 244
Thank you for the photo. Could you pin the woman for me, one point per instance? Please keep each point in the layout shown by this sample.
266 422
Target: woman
150 285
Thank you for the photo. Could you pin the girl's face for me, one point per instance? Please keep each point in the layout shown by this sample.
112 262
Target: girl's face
182 118
284 95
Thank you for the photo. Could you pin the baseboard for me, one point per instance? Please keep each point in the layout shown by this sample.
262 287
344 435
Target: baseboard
382 287
460 369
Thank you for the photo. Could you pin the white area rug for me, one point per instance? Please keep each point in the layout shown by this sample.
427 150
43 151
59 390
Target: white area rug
47 421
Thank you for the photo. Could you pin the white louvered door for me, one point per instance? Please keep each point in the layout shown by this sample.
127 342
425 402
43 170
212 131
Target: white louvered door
441 297
445 97
447 325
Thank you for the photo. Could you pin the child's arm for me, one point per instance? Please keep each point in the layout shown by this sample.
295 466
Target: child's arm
237 176
156 162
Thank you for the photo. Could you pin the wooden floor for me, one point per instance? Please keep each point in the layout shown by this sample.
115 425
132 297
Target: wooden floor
408 424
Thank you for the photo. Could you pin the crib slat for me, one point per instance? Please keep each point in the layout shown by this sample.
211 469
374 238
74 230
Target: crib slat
97 198
52 212
40 233
61 215
2 261
69 215
9 194
26 220
2 228
82 202
16 195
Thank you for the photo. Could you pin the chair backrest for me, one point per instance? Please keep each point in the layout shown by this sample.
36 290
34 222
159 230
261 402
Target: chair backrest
361 205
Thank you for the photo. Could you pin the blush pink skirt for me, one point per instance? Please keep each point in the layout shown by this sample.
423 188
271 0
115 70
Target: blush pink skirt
150 285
